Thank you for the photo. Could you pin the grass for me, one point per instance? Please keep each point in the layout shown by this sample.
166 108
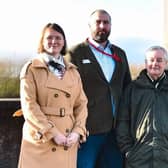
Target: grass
9 87
135 70
10 83
9 79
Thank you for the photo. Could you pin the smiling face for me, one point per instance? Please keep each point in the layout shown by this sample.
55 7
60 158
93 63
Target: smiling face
155 63
53 42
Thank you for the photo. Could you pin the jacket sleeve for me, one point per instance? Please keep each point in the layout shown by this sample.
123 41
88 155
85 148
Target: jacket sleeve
33 115
123 125
80 112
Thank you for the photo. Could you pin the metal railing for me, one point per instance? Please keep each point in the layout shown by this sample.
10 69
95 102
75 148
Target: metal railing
10 99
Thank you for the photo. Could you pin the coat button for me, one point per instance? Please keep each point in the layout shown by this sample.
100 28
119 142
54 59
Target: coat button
67 131
55 95
53 149
65 148
68 95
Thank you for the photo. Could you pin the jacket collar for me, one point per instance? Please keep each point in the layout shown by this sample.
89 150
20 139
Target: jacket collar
143 80
90 56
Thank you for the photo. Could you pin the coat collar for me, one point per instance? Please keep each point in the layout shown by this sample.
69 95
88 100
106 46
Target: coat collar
144 81
64 84
39 62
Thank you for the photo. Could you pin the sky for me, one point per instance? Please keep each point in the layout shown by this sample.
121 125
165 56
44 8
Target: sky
136 24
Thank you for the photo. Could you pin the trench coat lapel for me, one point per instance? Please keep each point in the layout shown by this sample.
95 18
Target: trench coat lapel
64 84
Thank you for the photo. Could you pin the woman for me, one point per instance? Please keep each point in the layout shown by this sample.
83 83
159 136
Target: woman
53 104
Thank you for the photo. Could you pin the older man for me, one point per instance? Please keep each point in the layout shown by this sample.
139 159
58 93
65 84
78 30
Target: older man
142 127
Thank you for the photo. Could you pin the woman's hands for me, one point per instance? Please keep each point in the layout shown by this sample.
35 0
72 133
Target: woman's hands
60 139
72 138
67 141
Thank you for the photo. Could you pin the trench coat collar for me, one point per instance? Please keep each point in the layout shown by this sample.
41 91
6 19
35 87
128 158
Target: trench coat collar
65 84
39 62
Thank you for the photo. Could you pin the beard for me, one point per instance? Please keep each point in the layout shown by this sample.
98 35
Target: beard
101 37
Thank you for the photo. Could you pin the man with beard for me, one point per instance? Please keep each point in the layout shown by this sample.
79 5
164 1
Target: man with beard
105 74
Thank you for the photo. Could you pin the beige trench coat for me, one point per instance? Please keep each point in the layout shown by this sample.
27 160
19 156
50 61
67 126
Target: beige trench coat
50 106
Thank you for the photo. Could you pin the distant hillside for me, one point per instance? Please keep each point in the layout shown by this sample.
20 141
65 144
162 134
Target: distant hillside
15 57
135 48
